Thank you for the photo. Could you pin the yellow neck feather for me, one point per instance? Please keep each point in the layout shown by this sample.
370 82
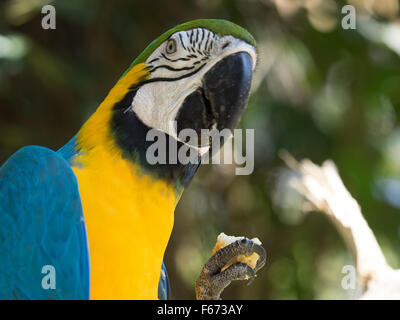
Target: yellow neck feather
129 215
96 131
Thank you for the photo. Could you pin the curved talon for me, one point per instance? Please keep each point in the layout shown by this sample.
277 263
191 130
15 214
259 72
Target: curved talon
262 256
251 279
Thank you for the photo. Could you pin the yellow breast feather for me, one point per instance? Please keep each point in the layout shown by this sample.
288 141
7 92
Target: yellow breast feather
129 215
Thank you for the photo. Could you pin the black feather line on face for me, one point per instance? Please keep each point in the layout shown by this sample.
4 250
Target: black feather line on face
191 37
183 45
160 79
197 36
154 60
203 33
165 66
207 42
187 58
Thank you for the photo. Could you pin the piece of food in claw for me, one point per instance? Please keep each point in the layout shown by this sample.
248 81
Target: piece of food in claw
223 240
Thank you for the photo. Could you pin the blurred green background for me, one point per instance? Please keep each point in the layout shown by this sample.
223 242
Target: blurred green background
319 92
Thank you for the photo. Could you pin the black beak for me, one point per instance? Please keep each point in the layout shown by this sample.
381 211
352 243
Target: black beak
220 102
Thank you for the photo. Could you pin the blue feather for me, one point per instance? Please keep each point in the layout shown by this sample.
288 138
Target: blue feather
41 223
163 284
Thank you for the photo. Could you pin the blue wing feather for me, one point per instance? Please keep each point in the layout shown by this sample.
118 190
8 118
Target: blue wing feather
41 223
163 284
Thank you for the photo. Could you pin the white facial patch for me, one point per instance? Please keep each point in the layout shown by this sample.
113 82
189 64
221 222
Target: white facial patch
177 74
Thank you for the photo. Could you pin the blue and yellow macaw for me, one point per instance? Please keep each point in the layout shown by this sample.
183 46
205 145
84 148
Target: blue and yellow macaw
96 210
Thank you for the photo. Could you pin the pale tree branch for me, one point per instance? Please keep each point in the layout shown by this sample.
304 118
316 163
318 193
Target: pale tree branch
324 189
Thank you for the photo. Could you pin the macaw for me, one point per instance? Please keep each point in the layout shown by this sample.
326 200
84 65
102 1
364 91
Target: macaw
96 210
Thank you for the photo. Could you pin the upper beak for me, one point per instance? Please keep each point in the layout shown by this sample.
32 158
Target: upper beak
221 100
227 86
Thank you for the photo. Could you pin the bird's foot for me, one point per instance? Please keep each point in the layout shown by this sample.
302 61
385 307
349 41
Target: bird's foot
214 278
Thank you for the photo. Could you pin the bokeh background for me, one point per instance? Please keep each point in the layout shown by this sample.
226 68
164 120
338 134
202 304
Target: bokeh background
319 92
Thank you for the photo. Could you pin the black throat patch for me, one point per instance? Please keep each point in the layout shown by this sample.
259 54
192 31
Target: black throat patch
130 135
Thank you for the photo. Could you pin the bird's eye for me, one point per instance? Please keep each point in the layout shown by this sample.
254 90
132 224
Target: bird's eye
171 46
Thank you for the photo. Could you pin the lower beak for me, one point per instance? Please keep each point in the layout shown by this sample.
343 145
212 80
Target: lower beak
221 100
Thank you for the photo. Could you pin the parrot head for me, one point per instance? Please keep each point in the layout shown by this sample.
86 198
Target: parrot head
195 76
198 77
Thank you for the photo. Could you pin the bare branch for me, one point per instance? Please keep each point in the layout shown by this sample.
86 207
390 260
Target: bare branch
324 189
